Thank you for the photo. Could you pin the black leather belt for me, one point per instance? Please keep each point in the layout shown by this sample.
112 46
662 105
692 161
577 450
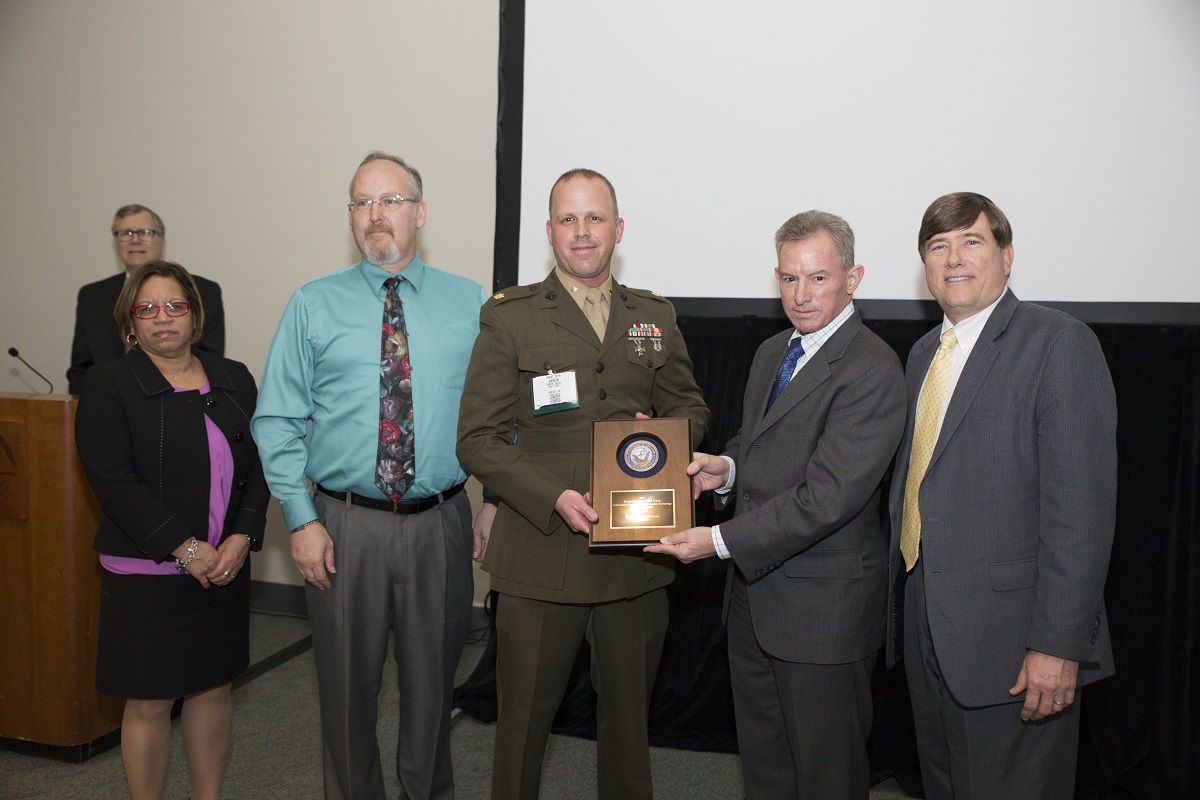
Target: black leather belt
397 507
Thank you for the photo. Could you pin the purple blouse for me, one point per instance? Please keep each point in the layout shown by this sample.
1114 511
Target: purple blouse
220 484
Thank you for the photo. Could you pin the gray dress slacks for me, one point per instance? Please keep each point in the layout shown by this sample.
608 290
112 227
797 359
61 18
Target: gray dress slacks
411 575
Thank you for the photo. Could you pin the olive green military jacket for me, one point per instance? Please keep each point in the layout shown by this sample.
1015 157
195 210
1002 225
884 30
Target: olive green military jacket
528 460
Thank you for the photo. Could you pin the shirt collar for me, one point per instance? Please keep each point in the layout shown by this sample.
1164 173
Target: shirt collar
967 331
810 340
578 291
413 274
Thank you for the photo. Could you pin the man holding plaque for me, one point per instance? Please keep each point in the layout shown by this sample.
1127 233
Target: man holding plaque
823 413
550 359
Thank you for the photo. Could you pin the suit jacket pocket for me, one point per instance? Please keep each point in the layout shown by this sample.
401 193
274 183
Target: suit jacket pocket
843 564
1008 576
986 407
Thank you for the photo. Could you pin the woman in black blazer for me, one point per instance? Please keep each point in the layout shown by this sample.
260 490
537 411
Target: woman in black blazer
164 437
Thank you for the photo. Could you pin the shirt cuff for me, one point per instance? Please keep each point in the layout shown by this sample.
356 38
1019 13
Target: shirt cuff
727 487
719 543
298 510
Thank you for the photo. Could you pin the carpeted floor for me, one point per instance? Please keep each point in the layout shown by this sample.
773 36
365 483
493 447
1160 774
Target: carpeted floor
276 750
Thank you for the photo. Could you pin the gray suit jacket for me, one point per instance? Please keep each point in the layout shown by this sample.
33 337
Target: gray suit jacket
807 534
1018 505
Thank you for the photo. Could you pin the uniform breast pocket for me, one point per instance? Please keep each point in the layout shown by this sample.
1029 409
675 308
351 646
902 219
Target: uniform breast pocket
643 354
546 359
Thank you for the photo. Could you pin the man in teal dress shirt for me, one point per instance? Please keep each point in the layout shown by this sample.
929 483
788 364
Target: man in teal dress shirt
374 564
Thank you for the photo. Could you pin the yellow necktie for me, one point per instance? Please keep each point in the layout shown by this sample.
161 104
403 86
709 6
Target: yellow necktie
596 311
925 430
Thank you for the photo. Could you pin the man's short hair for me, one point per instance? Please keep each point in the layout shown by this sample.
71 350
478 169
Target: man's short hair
808 224
583 172
165 269
379 155
130 210
958 210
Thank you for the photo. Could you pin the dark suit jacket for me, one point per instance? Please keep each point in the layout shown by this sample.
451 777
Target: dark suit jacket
528 460
1018 505
807 535
144 448
96 338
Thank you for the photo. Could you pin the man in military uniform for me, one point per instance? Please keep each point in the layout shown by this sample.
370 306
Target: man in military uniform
531 448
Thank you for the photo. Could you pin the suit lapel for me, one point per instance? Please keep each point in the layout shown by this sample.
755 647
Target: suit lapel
762 379
974 373
112 288
622 314
816 370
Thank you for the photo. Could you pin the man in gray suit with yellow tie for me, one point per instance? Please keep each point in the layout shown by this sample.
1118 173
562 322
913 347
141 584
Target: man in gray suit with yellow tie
823 413
1003 505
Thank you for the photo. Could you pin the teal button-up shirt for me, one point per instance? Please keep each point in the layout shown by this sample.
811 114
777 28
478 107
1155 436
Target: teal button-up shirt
318 406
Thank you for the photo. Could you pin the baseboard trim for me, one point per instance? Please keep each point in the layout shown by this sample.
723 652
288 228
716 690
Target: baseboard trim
282 599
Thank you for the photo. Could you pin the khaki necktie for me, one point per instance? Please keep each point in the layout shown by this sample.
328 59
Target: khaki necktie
596 311
925 432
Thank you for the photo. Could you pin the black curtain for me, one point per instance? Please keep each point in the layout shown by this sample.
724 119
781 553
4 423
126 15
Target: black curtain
1140 734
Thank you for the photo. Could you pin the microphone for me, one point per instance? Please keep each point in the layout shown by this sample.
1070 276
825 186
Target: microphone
12 351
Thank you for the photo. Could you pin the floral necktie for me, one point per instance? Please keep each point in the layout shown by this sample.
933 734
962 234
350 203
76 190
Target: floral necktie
396 461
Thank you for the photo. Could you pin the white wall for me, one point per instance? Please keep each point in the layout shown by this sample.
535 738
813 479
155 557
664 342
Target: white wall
241 123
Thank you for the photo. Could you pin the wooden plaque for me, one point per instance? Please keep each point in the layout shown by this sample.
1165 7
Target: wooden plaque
640 486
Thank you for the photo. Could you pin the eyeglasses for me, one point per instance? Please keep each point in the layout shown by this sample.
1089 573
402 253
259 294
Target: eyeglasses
127 234
150 311
389 202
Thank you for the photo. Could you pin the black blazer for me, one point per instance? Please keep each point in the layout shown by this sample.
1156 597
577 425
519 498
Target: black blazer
96 337
144 448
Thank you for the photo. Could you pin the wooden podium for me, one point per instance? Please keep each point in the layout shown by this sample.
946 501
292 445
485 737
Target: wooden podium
49 579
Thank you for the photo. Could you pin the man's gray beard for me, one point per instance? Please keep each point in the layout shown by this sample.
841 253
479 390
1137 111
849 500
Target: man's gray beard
381 256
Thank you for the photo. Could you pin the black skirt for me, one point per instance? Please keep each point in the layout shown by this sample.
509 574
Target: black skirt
165 636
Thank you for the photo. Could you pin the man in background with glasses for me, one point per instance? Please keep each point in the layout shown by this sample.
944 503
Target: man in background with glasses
139 237
360 396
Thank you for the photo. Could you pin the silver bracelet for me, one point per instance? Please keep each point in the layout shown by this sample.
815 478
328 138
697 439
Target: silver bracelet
299 528
181 565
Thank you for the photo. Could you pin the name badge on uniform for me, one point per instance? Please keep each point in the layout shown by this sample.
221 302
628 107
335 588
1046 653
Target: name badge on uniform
555 392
